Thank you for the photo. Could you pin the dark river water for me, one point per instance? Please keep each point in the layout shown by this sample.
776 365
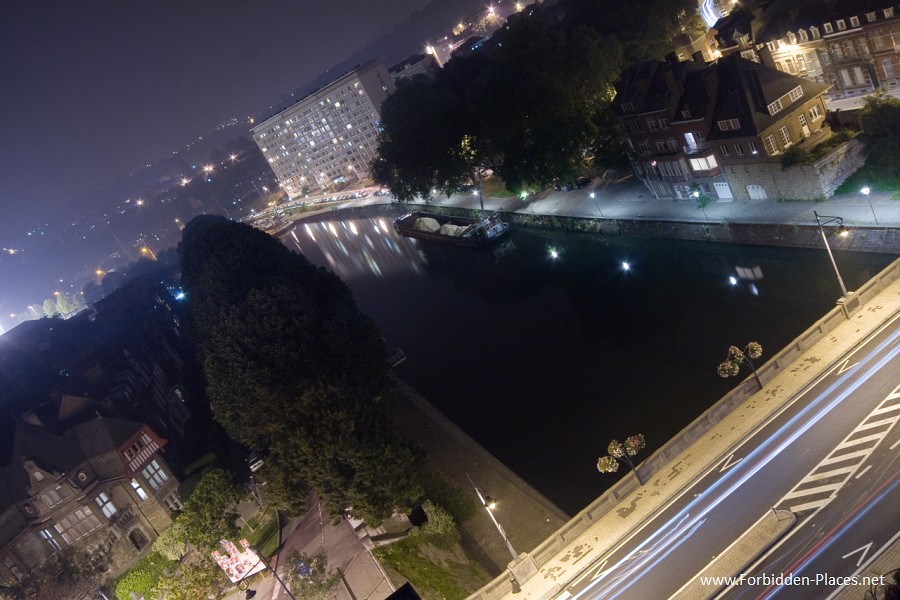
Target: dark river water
545 346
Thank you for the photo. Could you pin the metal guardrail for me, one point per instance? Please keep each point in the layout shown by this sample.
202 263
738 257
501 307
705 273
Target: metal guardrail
502 585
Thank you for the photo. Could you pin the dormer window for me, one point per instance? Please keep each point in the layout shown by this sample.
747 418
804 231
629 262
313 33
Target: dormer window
841 25
803 36
792 39
828 28
854 21
795 94
870 17
686 112
815 32
889 13
729 124
775 107
38 476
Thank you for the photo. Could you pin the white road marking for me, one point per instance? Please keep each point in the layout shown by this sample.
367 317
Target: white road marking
865 550
860 474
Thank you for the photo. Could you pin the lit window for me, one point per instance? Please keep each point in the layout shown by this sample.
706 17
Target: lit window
704 163
771 147
154 474
870 17
48 537
803 36
140 491
752 147
106 505
774 107
795 94
814 112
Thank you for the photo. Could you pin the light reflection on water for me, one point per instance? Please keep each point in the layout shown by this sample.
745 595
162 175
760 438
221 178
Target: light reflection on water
543 359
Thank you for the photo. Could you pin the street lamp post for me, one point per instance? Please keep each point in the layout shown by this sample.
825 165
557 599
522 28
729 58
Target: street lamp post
488 503
842 231
865 190
265 564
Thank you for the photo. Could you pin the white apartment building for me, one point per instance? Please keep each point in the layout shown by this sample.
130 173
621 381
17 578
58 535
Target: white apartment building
329 137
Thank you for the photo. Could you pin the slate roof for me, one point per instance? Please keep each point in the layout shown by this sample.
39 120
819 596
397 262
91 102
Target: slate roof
60 453
745 89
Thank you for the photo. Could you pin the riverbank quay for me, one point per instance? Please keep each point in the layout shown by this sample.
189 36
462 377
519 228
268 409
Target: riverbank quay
625 207
707 441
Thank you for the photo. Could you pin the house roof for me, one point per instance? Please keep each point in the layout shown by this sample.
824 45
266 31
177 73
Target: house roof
744 91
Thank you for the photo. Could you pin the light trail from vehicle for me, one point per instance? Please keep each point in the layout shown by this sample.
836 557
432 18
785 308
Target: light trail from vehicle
764 454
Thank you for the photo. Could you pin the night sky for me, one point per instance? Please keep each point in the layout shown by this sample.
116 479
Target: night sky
94 90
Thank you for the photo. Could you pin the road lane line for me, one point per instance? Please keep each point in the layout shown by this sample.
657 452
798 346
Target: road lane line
814 490
860 474
827 474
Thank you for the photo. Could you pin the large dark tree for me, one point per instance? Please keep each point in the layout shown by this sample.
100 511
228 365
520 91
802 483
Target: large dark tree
293 369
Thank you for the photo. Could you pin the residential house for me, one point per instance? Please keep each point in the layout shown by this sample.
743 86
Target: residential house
853 46
717 129
100 485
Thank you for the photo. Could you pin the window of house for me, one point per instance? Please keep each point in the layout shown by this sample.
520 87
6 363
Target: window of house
106 505
48 537
771 146
704 163
752 147
795 94
139 490
686 112
792 38
729 124
870 17
841 25
738 149
673 144
801 62
772 46
888 67
785 134
828 28
789 66
802 119
651 124
854 21
889 13
815 32
154 474
826 58
660 145
633 126
663 123
13 568
53 497
173 502
804 37
774 107
77 524
725 151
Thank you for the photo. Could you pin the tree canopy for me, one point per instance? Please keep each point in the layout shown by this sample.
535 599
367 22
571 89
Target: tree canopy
528 111
294 370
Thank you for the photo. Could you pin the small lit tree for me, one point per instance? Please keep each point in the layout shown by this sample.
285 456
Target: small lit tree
737 357
621 452
309 576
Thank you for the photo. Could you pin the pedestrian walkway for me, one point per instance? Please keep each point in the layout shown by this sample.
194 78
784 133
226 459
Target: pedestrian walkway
627 198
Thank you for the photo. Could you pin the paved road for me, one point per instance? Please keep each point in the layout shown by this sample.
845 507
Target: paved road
799 460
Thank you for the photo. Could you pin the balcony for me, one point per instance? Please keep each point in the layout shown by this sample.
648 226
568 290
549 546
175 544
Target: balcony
697 148
122 518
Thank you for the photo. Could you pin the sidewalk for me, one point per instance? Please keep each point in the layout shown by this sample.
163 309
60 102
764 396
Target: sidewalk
627 198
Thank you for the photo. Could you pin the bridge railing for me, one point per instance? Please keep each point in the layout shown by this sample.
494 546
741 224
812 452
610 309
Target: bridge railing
542 554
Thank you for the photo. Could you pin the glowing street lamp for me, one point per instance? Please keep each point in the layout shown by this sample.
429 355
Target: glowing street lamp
148 252
841 231
489 505
865 191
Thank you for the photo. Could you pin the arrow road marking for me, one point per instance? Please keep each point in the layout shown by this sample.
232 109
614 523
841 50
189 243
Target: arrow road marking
865 550
846 367
728 463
